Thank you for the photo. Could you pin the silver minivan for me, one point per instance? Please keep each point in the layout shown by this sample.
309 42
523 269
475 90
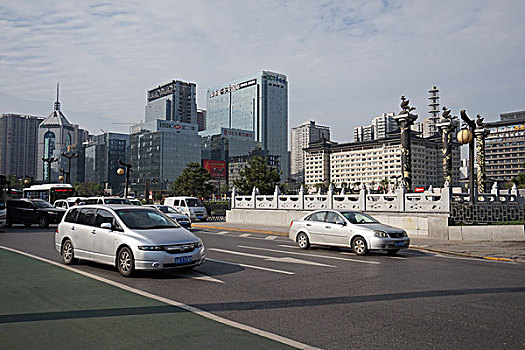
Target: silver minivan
128 237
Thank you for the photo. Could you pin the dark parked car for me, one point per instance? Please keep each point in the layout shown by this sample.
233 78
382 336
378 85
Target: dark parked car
32 211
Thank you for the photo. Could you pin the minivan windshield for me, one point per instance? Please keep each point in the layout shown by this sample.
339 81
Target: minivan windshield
42 204
358 218
194 202
145 219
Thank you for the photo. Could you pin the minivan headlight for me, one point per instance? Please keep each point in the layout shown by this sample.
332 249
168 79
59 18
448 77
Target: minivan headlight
199 244
405 233
380 234
150 247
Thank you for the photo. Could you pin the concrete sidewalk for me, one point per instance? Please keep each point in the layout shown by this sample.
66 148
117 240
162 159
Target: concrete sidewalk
502 251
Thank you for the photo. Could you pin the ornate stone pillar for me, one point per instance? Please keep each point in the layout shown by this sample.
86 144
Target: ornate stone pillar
480 133
447 125
405 120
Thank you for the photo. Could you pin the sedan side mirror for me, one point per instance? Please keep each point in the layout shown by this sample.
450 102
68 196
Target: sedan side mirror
106 225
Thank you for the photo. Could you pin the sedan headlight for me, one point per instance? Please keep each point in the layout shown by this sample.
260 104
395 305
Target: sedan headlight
150 247
405 233
199 244
380 234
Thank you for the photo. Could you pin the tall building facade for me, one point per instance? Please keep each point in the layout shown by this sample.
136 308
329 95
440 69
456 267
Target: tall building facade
381 126
238 163
160 150
371 162
430 124
505 147
175 101
302 137
55 136
201 119
19 144
256 103
102 160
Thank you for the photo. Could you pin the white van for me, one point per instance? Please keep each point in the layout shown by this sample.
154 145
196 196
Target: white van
190 206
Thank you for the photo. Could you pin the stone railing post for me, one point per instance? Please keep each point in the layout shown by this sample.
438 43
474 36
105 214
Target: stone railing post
400 194
446 195
276 194
362 198
495 190
254 197
301 198
234 194
330 196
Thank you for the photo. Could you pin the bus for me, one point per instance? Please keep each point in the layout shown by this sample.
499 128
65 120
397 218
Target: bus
49 192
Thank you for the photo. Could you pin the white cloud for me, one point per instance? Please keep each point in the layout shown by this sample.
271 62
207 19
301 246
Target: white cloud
346 61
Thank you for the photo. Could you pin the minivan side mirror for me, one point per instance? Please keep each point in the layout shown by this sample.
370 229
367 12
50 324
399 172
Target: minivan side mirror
106 225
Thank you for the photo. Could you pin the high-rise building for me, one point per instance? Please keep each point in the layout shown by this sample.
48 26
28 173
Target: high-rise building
102 160
302 137
159 151
174 101
371 162
380 128
201 119
19 144
505 147
429 124
55 136
256 103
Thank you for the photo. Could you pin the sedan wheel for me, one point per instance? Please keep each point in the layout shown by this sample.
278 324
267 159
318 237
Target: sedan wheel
359 246
126 263
303 241
43 222
68 253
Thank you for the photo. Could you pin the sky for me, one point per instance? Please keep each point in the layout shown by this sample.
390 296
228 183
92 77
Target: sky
346 61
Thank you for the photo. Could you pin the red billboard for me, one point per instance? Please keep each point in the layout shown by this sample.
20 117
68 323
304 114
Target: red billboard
419 189
216 168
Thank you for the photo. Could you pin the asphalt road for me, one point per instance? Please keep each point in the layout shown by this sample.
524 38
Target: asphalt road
332 299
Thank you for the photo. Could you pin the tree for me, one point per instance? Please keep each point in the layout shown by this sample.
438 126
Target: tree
88 189
519 180
194 181
384 185
257 173
14 182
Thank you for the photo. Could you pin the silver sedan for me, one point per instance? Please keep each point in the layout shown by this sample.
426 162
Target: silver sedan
128 237
346 228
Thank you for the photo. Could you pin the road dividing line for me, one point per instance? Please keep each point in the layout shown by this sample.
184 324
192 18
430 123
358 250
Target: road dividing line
312 255
245 235
271 258
175 303
200 276
397 257
222 232
252 266
271 237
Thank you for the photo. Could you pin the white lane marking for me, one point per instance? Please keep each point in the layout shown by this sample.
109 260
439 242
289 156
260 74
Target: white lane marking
171 302
222 232
271 258
252 266
271 237
397 257
245 235
200 276
313 255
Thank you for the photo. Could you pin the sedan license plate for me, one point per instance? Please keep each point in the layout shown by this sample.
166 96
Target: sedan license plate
400 244
183 260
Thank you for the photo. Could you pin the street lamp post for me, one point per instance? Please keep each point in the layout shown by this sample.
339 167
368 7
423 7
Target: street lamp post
405 119
220 171
127 171
467 136
480 133
69 156
447 125
49 161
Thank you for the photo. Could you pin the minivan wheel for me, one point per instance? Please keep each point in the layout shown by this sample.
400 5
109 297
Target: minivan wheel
125 261
303 241
43 222
68 253
359 246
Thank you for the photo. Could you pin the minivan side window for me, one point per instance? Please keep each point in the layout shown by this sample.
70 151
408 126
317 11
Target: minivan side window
103 216
86 216
71 216
183 203
176 203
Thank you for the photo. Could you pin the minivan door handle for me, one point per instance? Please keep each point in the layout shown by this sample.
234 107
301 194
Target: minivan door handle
72 228
94 232
308 225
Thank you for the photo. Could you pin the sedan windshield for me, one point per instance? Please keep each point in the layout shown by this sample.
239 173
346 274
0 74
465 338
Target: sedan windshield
42 204
116 201
356 217
145 219
167 209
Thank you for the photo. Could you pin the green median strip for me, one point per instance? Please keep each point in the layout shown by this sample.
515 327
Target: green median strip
47 307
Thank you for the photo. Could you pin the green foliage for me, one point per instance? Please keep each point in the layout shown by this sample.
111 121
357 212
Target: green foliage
519 180
89 189
384 185
194 181
257 173
14 182
321 186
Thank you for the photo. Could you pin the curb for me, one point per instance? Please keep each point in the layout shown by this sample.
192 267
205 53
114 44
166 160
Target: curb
465 255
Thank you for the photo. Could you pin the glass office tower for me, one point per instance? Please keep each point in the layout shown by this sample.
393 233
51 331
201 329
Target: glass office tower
256 103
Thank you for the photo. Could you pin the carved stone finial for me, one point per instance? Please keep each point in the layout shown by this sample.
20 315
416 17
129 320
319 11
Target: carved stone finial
495 185
331 187
319 190
277 191
342 191
446 184
430 189
514 188
257 191
301 189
